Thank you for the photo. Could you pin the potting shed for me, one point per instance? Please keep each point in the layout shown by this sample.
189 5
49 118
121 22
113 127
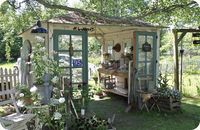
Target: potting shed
129 51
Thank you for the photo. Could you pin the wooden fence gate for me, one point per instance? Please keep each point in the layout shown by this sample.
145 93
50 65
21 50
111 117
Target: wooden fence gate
9 78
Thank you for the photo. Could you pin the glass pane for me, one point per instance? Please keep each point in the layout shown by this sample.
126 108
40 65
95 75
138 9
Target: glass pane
77 55
77 75
150 40
64 59
141 55
150 56
66 72
63 42
149 68
141 40
76 91
77 42
127 46
141 68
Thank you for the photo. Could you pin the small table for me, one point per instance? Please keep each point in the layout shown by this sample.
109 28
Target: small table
145 97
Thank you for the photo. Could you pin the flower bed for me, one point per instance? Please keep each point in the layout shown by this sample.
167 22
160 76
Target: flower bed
169 99
91 123
169 104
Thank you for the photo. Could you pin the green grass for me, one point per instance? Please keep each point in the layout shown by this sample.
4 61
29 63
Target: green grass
191 84
7 65
187 119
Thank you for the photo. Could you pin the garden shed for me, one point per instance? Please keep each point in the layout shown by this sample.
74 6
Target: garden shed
129 51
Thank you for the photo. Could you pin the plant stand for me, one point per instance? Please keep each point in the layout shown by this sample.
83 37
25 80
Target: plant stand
169 104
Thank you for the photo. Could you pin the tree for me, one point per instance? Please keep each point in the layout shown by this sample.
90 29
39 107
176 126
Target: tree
15 18
160 11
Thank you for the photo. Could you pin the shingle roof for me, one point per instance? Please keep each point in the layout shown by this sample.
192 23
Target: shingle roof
77 18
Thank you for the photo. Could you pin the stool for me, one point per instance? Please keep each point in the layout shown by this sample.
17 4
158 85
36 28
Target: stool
144 98
109 83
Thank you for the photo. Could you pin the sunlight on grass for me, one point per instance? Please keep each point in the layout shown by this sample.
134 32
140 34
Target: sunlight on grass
7 65
192 101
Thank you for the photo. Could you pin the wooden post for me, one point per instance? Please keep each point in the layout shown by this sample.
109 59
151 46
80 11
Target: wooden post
176 64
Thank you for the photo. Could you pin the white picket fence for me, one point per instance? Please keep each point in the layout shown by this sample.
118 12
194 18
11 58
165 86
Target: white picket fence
8 79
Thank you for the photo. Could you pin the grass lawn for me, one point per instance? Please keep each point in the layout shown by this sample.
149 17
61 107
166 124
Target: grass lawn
187 119
7 65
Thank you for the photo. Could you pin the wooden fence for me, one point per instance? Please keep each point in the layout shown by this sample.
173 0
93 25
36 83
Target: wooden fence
8 79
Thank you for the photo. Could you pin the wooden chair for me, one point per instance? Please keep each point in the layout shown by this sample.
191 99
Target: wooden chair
17 120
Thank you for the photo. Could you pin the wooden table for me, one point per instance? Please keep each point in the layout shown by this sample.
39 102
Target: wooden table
111 72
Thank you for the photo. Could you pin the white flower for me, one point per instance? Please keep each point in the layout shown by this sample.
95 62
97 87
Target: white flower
57 116
31 72
61 100
31 56
55 79
20 103
44 58
33 89
42 49
21 95
28 63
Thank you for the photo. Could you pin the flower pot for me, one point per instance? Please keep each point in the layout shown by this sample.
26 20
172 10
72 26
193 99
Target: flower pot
27 101
95 79
45 91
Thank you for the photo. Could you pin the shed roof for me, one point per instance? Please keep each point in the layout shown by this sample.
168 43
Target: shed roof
103 25
78 18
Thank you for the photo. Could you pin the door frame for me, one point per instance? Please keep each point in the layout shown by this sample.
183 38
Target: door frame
154 34
84 35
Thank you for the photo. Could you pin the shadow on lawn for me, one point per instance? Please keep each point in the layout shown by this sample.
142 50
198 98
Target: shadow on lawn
187 119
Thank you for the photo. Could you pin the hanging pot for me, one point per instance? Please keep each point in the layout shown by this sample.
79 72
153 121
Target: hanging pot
117 47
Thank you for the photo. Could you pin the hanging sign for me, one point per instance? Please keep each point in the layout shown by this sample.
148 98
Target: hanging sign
77 63
146 47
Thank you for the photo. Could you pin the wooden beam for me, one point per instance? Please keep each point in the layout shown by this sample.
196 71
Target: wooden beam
176 66
175 45
181 37
187 30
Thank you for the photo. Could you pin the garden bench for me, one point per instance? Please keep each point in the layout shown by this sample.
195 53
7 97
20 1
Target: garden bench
14 121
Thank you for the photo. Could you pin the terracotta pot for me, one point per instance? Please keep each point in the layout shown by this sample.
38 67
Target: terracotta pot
27 101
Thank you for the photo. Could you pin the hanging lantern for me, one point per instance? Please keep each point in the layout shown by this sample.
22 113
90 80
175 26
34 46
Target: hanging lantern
39 28
146 47
196 38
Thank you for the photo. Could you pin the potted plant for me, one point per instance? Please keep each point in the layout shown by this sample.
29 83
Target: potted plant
24 95
45 72
90 123
169 98
95 77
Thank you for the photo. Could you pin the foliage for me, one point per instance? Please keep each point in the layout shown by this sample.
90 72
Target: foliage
13 21
164 90
164 12
163 81
43 65
168 92
52 115
94 47
89 123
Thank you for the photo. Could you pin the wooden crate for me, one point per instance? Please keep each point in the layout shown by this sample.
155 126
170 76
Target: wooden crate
169 104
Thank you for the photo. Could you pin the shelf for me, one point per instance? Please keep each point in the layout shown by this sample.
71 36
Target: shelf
118 90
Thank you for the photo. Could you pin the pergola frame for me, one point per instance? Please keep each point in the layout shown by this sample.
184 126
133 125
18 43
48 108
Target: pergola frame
177 40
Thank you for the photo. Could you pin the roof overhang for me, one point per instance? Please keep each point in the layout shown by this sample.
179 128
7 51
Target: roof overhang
99 27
